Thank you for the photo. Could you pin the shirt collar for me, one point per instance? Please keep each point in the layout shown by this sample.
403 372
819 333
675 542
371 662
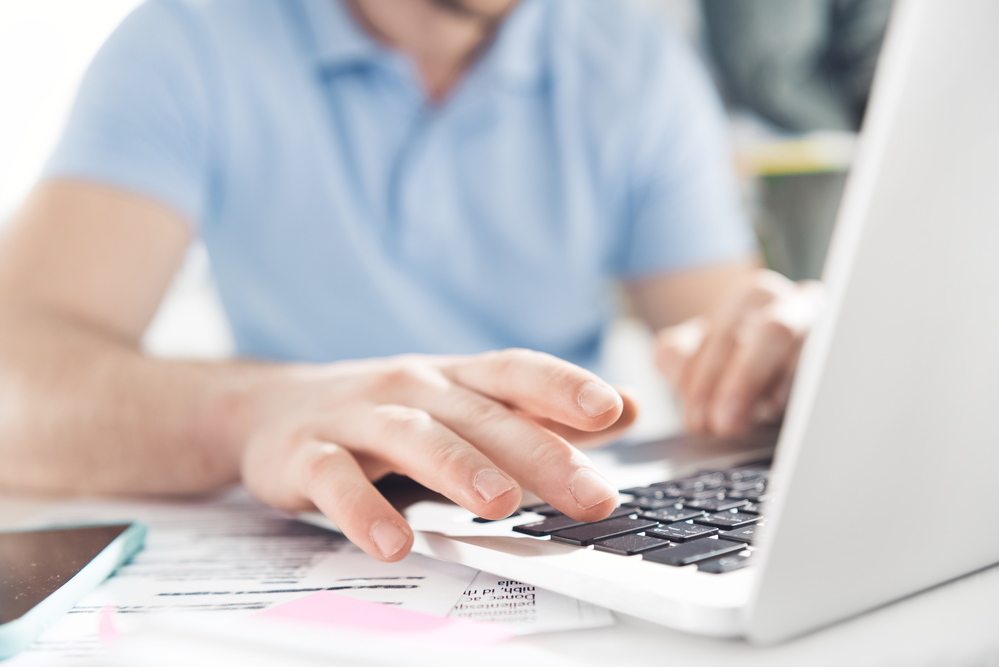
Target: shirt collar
519 53
517 56
337 38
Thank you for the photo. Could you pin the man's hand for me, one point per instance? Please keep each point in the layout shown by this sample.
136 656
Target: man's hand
733 368
82 268
475 429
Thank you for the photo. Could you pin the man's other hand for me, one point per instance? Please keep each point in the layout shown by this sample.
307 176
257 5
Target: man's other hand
733 368
475 429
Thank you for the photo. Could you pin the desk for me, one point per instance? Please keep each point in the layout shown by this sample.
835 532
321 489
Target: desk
953 624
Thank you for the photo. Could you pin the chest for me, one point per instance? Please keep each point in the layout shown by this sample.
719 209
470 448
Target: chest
357 165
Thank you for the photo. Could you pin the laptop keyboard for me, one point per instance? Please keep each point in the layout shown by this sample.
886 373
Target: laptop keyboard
708 519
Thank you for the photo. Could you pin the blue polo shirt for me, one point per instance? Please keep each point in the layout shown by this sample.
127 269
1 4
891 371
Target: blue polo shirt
348 217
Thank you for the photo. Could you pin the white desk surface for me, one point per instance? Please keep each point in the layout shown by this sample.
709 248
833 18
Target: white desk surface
953 624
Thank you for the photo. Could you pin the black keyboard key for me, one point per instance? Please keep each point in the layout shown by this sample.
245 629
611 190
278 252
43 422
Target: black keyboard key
628 545
744 534
651 503
670 514
707 494
733 561
692 552
543 509
479 519
643 492
669 488
714 504
681 532
547 526
757 484
752 495
749 471
752 508
728 520
601 530
560 522
699 482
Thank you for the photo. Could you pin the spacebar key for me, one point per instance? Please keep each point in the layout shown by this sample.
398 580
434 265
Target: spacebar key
692 552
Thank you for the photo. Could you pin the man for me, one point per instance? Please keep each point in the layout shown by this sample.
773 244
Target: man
377 177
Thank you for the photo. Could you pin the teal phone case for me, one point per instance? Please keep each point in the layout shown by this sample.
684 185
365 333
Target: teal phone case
18 634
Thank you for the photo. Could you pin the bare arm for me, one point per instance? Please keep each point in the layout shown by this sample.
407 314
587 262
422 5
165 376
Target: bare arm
728 340
82 269
664 301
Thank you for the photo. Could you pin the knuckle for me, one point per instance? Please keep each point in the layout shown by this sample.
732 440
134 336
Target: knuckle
318 462
508 360
774 282
400 421
402 376
548 456
761 293
521 353
765 286
776 331
484 413
448 454
515 358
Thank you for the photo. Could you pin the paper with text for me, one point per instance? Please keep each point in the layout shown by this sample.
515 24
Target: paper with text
525 608
233 557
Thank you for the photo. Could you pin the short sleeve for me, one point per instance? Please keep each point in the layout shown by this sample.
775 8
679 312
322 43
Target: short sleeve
141 117
684 206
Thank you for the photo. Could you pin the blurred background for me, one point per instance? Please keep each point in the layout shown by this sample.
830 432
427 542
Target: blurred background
795 75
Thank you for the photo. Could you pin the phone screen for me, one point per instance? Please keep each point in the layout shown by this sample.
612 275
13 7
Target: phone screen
34 564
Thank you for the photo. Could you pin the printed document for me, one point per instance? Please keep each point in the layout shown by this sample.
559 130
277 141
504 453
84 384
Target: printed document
232 557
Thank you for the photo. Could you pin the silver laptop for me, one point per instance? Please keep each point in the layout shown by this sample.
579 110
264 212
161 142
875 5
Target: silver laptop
883 476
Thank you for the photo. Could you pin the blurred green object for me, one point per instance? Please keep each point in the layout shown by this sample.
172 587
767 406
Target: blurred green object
795 215
804 65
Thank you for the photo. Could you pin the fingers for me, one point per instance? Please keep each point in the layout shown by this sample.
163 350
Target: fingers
541 385
701 374
537 458
593 439
415 444
754 371
742 371
336 485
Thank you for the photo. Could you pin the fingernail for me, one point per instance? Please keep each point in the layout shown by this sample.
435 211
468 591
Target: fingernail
491 484
596 399
589 489
388 537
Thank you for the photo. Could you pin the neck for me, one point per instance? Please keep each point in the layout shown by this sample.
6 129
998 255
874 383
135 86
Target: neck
442 41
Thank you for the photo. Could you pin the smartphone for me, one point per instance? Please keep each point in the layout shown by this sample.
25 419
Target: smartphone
44 572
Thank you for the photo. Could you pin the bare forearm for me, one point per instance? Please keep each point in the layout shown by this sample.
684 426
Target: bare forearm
83 412
673 298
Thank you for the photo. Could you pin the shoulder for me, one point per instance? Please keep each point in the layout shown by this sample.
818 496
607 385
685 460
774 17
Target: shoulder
613 42
212 42
205 20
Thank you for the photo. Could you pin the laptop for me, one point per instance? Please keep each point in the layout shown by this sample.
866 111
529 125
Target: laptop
881 479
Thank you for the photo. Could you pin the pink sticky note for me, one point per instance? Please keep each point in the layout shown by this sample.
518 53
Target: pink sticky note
106 630
327 608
